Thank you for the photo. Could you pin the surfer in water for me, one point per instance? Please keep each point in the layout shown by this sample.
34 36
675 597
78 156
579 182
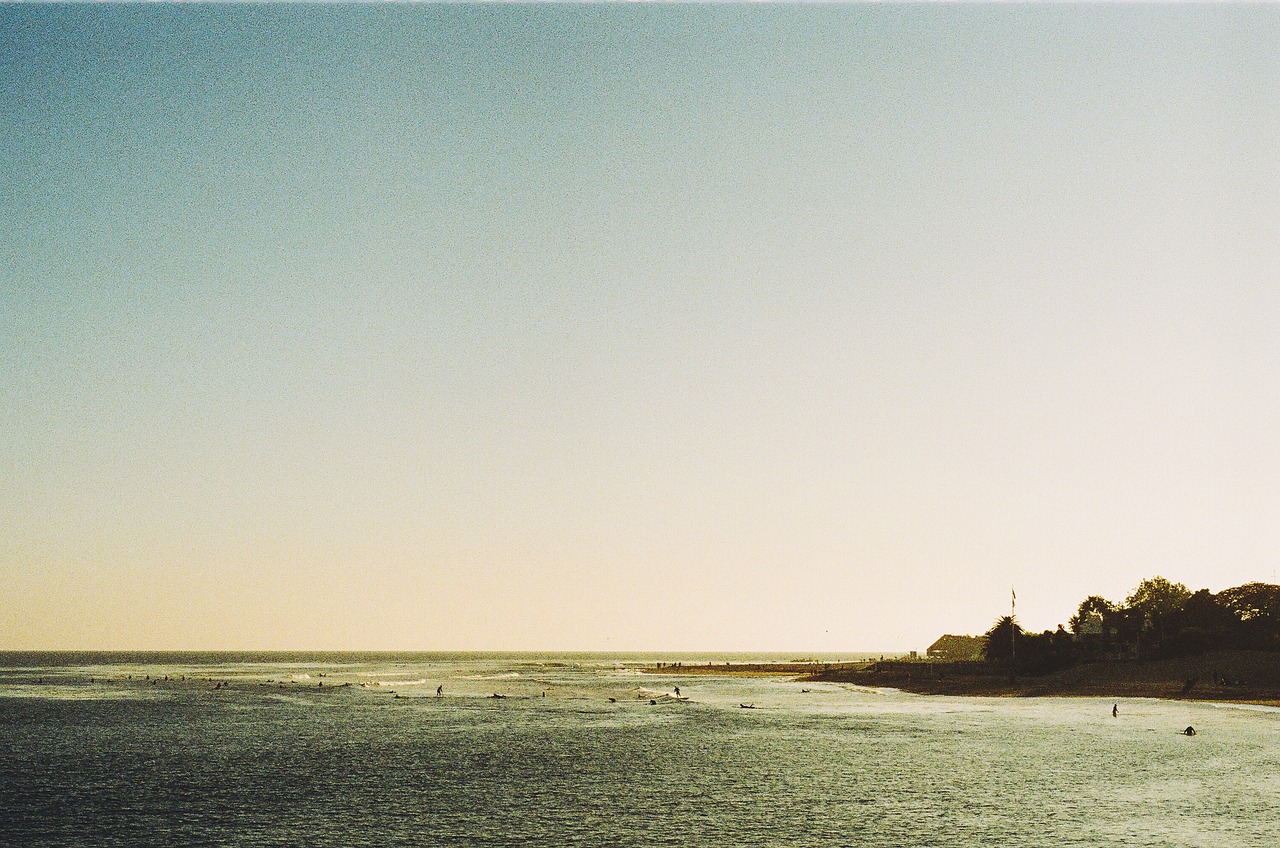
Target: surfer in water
440 691
1115 710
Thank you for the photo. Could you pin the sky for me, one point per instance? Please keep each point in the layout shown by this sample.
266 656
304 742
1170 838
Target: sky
614 327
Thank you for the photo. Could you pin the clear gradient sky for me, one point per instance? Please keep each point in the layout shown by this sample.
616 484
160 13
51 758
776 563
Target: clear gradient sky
622 328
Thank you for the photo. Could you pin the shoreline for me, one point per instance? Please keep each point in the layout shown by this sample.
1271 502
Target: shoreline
749 669
1238 677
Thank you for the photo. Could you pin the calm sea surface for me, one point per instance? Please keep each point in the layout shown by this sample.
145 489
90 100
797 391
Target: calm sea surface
356 749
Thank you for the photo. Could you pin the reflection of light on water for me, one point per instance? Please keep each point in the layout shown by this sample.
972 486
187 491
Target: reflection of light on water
80 693
890 767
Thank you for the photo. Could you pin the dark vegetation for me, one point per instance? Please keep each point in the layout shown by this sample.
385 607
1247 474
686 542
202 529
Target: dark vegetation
1159 621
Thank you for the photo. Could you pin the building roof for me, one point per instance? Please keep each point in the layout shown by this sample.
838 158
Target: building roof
957 647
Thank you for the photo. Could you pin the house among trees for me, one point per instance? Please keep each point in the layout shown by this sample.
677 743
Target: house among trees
957 648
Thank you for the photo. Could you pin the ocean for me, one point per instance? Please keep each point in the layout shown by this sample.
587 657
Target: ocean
358 750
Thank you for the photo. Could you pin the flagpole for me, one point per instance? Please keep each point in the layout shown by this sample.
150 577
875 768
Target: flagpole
1013 623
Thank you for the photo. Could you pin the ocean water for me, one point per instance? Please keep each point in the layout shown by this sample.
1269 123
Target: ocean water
357 750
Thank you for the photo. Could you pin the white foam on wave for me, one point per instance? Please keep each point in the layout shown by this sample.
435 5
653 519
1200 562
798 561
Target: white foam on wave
1259 708
870 690
506 676
418 682
655 695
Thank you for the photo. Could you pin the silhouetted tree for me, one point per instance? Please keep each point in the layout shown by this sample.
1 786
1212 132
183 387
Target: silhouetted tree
1041 653
1155 600
1093 610
1001 641
1201 624
1159 618
1256 608
1158 597
1252 600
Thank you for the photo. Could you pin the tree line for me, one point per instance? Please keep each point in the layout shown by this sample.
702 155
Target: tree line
1160 619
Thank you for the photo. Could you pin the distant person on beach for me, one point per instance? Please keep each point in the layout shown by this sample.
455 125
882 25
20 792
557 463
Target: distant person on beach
1115 710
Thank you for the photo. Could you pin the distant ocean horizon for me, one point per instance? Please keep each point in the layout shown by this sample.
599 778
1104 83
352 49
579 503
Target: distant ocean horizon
78 657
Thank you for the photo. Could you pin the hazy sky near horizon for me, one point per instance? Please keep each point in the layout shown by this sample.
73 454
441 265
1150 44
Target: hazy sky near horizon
624 328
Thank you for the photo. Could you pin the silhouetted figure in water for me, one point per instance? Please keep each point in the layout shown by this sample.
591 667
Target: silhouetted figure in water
1115 710
677 691
440 691
1190 731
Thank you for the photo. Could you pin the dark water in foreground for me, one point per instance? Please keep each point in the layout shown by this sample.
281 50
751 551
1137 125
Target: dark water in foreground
259 753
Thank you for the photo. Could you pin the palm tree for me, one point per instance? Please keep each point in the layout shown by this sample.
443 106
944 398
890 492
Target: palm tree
1001 639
